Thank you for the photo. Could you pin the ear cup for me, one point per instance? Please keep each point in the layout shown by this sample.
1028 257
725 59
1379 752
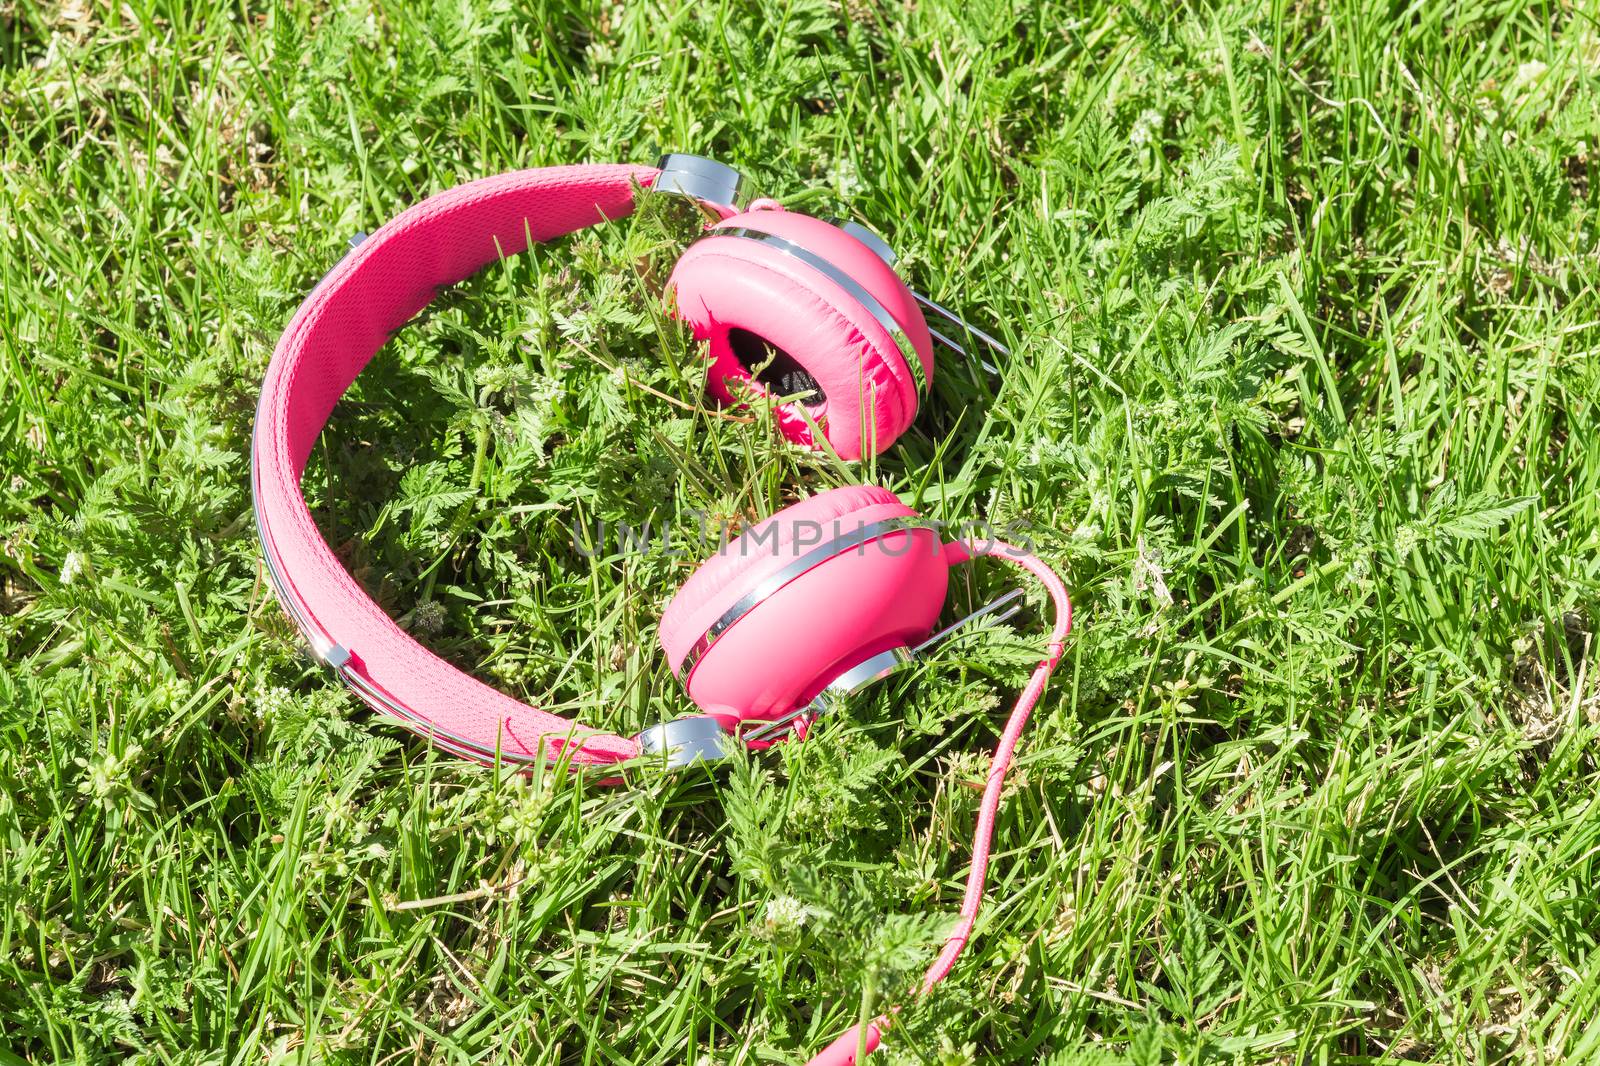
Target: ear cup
885 593
762 550
777 282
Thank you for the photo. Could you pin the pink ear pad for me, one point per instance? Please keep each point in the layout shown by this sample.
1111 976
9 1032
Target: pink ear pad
883 594
725 282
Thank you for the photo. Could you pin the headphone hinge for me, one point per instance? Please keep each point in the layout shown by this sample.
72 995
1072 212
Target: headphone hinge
695 738
718 189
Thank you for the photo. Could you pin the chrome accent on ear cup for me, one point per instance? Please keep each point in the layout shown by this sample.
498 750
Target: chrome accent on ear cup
1009 601
877 244
703 180
878 667
869 670
881 249
874 668
685 741
837 275
810 560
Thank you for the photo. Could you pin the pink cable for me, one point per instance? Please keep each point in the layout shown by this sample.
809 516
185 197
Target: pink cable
843 1051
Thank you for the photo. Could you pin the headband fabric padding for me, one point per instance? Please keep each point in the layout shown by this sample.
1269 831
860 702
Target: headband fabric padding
381 285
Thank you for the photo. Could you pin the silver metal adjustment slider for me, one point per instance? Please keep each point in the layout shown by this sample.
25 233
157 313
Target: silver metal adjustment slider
698 738
711 184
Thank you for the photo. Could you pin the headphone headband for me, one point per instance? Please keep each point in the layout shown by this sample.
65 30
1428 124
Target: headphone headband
379 286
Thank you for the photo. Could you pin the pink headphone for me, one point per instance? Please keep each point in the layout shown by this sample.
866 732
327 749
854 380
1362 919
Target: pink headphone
854 570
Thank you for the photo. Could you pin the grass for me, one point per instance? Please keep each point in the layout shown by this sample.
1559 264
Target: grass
1304 400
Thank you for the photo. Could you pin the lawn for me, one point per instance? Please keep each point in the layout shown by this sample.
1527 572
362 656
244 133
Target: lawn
1302 405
